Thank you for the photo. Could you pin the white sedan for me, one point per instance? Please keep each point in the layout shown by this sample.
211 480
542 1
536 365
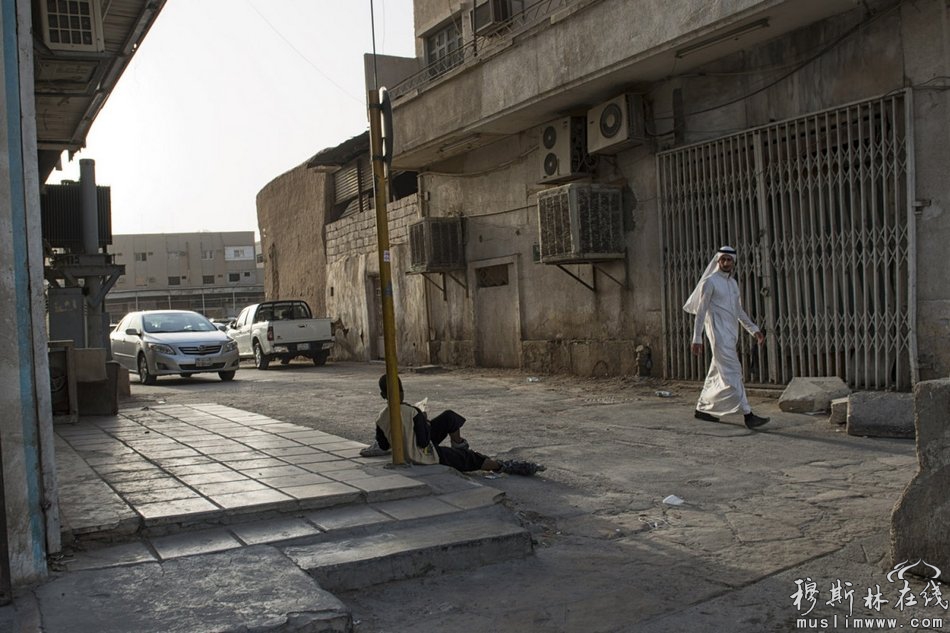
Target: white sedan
172 342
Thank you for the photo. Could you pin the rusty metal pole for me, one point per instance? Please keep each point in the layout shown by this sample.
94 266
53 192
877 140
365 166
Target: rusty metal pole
385 280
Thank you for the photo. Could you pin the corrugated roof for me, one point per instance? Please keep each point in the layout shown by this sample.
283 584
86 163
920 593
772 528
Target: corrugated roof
342 153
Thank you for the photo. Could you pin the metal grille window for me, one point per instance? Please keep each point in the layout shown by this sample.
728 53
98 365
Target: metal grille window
207 279
492 276
174 281
234 277
818 209
141 257
444 48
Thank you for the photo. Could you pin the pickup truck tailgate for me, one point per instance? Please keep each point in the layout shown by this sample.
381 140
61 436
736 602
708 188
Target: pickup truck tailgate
301 330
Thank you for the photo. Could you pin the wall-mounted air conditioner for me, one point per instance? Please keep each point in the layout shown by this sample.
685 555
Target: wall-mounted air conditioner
580 223
490 15
616 124
436 245
563 150
72 26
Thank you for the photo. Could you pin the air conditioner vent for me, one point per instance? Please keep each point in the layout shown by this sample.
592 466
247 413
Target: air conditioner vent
616 124
580 223
435 245
563 150
73 25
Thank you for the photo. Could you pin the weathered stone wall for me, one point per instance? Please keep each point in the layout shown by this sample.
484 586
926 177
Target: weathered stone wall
291 212
352 259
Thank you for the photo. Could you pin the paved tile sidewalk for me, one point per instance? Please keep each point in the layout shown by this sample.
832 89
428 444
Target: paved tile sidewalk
172 464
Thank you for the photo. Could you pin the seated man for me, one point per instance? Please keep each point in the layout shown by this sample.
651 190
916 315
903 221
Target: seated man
422 440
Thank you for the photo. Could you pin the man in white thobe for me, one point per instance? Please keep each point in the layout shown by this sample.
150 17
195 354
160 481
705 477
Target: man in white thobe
718 310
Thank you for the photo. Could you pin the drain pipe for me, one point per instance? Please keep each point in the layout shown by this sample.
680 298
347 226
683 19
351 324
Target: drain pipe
90 245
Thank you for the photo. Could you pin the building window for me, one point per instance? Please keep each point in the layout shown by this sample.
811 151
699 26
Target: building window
492 276
247 274
174 281
234 276
444 48
239 253
141 257
207 279
207 255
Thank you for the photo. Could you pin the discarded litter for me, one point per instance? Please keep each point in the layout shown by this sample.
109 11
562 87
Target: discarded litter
533 379
673 500
664 394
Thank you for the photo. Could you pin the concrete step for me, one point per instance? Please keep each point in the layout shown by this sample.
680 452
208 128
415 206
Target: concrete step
248 589
408 549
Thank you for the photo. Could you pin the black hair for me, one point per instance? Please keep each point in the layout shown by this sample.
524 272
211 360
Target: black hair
384 391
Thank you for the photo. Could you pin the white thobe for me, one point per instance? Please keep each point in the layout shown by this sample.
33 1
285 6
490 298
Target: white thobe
720 312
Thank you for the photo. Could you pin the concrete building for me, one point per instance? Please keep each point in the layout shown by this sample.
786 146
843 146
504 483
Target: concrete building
214 273
58 70
594 154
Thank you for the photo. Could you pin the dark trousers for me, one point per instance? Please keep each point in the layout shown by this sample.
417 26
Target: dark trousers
462 459
443 424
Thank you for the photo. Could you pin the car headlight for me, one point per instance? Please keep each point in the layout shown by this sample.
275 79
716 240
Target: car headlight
230 346
161 348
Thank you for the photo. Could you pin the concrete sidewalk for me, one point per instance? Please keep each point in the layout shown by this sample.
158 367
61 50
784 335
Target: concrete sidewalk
208 518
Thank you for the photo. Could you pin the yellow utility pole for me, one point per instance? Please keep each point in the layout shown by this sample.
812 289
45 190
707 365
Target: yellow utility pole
385 273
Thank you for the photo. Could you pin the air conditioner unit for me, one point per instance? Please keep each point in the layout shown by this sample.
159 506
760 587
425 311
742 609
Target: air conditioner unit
580 223
72 26
490 16
616 124
563 153
435 245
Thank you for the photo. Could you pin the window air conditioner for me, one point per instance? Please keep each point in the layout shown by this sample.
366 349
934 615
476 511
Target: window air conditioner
435 245
490 16
563 152
580 223
72 26
616 124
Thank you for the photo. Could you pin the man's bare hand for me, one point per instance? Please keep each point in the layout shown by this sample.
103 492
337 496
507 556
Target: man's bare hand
697 349
760 338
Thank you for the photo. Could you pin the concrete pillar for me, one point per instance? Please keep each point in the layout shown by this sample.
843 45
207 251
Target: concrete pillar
95 333
920 522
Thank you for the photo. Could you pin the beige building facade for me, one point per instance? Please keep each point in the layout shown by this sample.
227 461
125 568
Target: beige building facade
594 154
214 273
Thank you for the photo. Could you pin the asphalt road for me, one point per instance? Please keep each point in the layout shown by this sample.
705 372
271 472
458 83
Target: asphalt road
761 510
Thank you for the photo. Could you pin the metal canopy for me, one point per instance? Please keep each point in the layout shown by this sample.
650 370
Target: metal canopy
72 86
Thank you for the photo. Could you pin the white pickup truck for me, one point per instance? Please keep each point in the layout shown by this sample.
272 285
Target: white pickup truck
281 330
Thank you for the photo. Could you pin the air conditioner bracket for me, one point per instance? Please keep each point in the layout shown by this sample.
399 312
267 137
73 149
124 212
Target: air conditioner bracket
595 268
443 286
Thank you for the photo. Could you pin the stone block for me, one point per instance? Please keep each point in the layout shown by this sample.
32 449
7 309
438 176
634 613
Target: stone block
90 363
881 414
839 411
811 394
920 522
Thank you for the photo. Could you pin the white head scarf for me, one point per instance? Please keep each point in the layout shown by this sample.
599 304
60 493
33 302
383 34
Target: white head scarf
692 304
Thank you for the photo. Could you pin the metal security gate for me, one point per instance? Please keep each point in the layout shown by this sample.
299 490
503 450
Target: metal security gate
819 211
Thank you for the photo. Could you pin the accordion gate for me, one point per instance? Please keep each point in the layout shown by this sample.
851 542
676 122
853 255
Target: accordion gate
819 210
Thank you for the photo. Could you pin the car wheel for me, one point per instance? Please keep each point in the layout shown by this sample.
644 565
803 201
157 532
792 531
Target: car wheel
226 375
260 358
145 377
320 358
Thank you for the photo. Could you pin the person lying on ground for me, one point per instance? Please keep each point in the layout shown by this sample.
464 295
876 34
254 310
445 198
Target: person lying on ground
422 440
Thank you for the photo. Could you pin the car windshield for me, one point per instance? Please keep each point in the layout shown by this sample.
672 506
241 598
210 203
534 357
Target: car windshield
164 322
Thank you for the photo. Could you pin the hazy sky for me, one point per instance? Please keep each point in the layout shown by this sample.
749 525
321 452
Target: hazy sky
225 95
